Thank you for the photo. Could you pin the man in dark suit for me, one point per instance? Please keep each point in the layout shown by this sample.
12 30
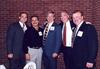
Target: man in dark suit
67 30
85 43
51 42
15 34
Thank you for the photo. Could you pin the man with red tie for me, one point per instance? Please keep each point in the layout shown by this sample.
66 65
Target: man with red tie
67 27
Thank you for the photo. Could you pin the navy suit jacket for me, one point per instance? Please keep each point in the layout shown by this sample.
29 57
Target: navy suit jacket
85 44
53 41
14 40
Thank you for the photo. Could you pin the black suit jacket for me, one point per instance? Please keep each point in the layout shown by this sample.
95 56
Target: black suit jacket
14 39
85 44
73 26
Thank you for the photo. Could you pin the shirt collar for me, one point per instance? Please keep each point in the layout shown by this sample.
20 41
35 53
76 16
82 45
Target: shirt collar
21 24
80 24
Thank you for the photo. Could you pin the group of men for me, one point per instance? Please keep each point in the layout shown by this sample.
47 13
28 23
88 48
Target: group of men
75 38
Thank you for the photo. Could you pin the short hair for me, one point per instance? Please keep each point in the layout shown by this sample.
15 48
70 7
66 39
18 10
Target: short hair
82 14
51 13
22 13
34 16
65 11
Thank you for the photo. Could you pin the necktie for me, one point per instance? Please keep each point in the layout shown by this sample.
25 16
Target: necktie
45 32
64 35
23 27
73 36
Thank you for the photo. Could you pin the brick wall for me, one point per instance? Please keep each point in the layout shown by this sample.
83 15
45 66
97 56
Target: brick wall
9 10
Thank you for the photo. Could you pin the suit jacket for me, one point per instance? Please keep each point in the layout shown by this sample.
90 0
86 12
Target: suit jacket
71 23
85 44
53 41
72 27
14 40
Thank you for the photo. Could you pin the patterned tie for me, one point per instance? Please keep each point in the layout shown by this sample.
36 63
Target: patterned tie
45 32
64 35
73 36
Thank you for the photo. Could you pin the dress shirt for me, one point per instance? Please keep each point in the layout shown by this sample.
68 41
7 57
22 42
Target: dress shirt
50 24
23 24
77 28
68 34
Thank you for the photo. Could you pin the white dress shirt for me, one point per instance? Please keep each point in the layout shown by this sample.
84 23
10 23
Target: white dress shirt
77 28
22 24
50 24
68 34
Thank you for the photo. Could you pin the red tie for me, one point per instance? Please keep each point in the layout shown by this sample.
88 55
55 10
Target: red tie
64 35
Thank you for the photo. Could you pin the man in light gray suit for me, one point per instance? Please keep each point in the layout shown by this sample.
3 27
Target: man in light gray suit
14 40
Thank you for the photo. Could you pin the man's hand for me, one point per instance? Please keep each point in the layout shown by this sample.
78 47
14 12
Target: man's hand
89 65
27 56
54 55
10 55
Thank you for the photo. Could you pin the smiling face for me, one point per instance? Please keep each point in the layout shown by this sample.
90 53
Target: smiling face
64 17
77 18
50 17
23 17
35 21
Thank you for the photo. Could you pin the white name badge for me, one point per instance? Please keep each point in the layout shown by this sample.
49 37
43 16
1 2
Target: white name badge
40 33
80 33
52 28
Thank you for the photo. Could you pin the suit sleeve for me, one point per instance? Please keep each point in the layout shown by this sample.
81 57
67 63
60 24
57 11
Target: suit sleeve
92 44
26 42
10 38
58 38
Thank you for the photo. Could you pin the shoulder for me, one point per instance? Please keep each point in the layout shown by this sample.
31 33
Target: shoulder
72 24
89 27
13 25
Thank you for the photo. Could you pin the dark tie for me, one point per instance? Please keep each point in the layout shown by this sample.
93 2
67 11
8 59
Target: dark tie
64 35
45 32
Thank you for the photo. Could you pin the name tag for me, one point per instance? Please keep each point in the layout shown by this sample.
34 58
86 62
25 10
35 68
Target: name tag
80 33
40 33
52 28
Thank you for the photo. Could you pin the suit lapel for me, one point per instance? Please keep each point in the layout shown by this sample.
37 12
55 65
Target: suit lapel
80 30
20 28
52 28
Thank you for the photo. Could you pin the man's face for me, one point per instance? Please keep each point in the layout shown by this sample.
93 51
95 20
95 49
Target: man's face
35 21
77 18
64 17
50 17
23 18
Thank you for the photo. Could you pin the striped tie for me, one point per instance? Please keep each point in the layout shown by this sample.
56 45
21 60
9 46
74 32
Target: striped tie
64 35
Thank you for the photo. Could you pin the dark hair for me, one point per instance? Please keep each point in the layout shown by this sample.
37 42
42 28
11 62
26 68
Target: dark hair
82 14
23 13
34 16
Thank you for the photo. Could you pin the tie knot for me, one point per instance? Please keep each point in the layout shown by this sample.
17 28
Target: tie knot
23 25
